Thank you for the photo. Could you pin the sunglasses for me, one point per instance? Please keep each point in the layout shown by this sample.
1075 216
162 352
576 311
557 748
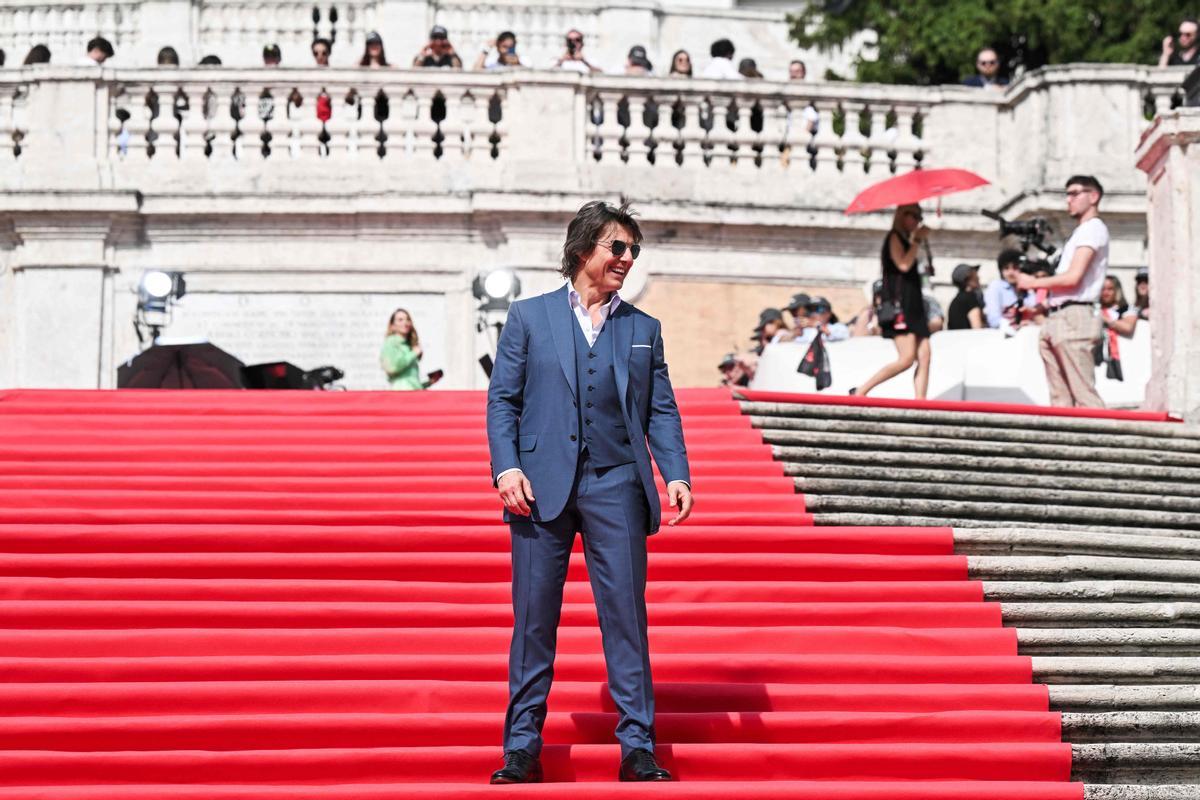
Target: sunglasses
575 39
986 63
618 248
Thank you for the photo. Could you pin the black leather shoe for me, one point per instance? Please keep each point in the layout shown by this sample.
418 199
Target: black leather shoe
519 767
640 765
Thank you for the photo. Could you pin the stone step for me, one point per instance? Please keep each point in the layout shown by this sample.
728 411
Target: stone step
965 523
887 486
1070 568
1132 726
785 428
916 446
1106 670
1093 615
1038 541
1094 698
1112 484
1121 791
1137 763
1046 512
883 460
1157 430
1090 591
1087 641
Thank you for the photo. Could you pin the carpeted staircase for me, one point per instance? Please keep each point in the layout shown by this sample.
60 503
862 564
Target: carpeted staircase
305 595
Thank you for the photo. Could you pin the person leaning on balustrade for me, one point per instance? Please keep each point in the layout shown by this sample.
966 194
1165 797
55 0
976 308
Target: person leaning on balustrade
1072 325
272 56
987 71
721 66
373 56
1187 53
499 53
902 314
322 49
797 71
681 64
402 352
637 62
438 53
98 51
573 58
38 54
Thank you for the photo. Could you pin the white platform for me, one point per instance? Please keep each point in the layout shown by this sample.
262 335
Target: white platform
967 365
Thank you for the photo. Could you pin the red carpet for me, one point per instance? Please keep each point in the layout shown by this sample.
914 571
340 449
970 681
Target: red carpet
211 595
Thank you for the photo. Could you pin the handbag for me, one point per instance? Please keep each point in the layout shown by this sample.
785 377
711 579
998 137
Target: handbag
889 310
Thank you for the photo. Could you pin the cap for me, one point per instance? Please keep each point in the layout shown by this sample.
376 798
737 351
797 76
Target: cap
637 51
374 38
877 286
728 360
438 32
768 315
797 302
1143 275
820 305
1010 256
961 273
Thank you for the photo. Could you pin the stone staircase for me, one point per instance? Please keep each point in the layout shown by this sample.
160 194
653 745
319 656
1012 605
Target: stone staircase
1086 531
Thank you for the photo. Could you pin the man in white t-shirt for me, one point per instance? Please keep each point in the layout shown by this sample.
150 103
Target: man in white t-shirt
721 67
1072 326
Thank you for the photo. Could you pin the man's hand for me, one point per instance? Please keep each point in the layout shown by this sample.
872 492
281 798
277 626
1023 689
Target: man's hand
1168 46
517 493
1026 282
679 496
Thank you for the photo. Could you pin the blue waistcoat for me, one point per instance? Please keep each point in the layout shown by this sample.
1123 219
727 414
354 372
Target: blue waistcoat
602 429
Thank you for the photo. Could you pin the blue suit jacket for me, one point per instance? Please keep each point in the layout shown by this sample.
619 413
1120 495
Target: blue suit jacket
532 414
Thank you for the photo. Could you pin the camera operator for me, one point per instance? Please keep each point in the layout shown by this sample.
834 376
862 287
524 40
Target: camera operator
573 58
1072 326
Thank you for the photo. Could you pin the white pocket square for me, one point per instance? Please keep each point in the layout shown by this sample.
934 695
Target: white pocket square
643 345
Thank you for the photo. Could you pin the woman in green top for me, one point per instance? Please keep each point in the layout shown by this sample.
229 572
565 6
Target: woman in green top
401 352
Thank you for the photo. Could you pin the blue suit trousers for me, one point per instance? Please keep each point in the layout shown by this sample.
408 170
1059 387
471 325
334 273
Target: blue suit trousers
608 506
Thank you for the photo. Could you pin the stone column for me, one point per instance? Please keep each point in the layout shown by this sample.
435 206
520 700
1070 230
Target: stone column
1170 157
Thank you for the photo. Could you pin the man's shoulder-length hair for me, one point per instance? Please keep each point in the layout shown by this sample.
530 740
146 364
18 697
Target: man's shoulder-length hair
588 226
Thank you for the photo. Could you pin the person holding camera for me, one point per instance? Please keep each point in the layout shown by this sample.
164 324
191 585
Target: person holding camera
1187 54
573 58
902 308
1072 326
500 53
438 52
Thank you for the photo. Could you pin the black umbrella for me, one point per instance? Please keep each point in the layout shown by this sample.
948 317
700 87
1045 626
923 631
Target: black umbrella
181 366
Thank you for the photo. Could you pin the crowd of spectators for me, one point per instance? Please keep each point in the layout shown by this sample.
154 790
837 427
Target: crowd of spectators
1000 306
1183 48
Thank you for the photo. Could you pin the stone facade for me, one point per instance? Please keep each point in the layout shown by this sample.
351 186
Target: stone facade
1170 158
290 229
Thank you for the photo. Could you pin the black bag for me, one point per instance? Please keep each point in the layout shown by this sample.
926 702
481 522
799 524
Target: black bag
815 363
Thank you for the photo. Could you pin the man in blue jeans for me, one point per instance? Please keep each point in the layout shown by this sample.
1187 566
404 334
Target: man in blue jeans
579 388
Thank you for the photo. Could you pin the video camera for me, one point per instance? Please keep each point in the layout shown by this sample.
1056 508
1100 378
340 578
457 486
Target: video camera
1031 233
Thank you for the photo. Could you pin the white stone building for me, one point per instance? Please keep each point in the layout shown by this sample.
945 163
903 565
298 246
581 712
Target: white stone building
299 237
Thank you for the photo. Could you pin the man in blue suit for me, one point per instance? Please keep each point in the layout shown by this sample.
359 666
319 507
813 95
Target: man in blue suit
578 388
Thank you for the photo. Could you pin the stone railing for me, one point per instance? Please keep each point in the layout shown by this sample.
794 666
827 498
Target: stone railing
248 115
823 127
563 125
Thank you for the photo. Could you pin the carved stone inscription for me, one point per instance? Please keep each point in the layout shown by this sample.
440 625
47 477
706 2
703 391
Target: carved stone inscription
312 330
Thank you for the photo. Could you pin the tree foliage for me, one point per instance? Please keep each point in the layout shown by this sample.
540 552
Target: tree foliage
935 41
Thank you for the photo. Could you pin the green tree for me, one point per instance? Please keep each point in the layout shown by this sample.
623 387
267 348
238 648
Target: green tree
935 41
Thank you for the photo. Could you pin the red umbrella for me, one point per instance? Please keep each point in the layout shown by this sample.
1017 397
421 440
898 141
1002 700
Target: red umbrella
913 187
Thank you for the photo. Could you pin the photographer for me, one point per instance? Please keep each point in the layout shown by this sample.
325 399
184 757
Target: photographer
438 52
573 58
1072 326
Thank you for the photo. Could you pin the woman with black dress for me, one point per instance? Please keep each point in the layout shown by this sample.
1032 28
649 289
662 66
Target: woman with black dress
908 328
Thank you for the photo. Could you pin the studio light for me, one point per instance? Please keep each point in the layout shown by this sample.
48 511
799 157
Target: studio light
157 291
496 289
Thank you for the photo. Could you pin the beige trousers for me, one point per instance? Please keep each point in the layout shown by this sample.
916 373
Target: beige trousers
1066 343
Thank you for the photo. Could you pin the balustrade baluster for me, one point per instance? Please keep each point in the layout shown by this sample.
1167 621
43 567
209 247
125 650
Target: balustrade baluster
825 142
495 115
906 144
877 147
707 120
381 109
353 106
466 117
853 141
180 109
679 123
